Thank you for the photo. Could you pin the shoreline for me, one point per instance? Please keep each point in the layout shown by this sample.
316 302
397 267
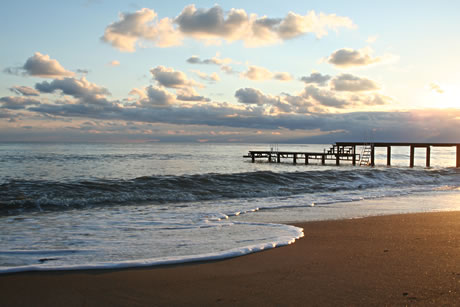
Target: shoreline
380 260
382 206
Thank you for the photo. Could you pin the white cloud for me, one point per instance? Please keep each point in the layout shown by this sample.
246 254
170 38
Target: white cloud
168 77
436 88
282 76
17 102
41 65
143 24
213 77
157 97
347 58
78 88
254 96
216 60
24 90
351 83
214 25
316 78
114 63
324 97
258 73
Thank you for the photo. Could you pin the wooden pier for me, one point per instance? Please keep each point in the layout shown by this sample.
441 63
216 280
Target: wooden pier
346 151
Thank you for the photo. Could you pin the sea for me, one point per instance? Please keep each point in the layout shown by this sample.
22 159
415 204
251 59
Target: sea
102 206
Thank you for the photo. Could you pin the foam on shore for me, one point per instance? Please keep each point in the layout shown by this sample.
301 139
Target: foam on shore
295 233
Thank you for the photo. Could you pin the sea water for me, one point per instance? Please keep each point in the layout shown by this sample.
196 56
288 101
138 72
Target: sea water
76 206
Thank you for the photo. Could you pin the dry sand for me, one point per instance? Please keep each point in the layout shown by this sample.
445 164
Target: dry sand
387 260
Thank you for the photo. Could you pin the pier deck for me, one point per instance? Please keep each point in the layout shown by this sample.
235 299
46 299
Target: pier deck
346 151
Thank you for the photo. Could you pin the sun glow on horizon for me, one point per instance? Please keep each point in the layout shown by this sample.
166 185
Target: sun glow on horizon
440 96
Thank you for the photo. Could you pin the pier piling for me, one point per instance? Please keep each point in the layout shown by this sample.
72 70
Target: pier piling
353 159
458 155
388 155
412 156
428 156
372 155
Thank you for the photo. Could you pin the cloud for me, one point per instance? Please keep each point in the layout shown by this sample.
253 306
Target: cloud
392 126
228 70
214 77
83 71
236 25
214 25
77 88
24 90
41 65
258 73
294 25
324 97
436 88
114 63
157 97
351 83
316 78
192 98
282 76
168 77
143 24
347 58
189 94
256 110
211 22
216 60
254 96
17 103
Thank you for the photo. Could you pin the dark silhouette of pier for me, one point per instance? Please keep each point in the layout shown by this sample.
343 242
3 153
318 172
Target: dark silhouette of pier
346 151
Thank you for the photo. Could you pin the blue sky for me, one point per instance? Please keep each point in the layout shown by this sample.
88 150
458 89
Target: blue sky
293 71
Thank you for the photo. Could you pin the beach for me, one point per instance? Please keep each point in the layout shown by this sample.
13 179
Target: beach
385 260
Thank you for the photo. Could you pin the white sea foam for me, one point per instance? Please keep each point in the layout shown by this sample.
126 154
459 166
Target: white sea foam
295 234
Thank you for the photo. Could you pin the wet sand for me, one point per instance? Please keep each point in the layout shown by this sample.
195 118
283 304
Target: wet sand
386 260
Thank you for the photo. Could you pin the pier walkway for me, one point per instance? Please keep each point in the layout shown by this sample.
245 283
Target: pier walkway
347 151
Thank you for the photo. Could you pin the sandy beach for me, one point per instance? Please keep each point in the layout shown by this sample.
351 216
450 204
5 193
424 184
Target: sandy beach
386 260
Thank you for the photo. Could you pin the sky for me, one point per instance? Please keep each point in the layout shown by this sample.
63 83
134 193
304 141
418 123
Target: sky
234 71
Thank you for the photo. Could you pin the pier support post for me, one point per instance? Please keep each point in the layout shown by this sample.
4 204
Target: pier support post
388 155
372 155
458 155
337 159
295 158
278 158
270 157
253 159
306 159
323 159
354 155
428 156
412 155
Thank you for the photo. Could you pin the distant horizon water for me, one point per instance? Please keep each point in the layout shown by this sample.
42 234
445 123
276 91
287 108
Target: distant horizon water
100 205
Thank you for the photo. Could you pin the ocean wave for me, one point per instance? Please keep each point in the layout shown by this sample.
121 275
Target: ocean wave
20 194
